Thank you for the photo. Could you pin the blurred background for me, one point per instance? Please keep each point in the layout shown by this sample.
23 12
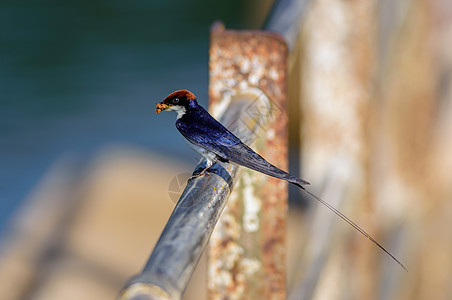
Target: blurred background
89 173
81 75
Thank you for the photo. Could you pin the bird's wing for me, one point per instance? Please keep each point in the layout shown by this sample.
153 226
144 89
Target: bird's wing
245 156
215 138
201 129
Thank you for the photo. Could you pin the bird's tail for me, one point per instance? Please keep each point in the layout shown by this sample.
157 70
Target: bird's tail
350 222
297 181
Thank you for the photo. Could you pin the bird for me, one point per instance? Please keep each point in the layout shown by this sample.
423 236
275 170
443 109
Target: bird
216 143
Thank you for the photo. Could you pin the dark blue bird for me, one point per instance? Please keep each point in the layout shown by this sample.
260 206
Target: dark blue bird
215 143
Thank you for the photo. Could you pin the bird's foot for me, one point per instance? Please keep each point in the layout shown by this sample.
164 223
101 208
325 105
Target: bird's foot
198 172
193 176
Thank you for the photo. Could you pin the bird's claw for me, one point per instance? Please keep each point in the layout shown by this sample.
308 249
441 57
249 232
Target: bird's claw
198 172
193 176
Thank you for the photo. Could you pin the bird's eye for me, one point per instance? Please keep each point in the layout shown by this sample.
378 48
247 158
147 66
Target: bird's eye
176 100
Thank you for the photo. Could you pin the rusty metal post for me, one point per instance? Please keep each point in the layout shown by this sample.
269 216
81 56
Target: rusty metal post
247 255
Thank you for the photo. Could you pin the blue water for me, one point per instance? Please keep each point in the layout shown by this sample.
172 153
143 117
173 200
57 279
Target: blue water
76 76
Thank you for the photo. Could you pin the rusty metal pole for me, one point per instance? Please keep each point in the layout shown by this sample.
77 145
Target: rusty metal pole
184 238
247 254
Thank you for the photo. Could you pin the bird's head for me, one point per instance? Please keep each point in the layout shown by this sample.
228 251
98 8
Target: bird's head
178 101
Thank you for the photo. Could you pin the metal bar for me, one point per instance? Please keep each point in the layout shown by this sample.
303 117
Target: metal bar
247 258
184 238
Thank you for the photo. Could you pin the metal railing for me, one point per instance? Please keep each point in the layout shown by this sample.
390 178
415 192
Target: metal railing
184 238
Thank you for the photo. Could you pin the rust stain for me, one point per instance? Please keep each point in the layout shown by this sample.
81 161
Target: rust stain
250 264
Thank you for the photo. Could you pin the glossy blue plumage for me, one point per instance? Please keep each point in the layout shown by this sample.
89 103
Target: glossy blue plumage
202 130
199 127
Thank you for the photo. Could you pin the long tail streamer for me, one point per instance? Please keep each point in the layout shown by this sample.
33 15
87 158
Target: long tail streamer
353 224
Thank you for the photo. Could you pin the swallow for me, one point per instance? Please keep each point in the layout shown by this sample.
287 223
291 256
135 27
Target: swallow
216 143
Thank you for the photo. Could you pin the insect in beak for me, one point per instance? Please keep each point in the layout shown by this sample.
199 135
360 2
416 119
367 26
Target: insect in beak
161 107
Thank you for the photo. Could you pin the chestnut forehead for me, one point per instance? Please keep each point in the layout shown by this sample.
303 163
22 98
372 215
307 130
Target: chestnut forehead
180 94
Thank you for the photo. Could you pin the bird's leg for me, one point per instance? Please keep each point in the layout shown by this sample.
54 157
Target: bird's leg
209 163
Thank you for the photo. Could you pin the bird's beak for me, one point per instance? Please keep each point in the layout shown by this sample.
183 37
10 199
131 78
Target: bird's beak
161 107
